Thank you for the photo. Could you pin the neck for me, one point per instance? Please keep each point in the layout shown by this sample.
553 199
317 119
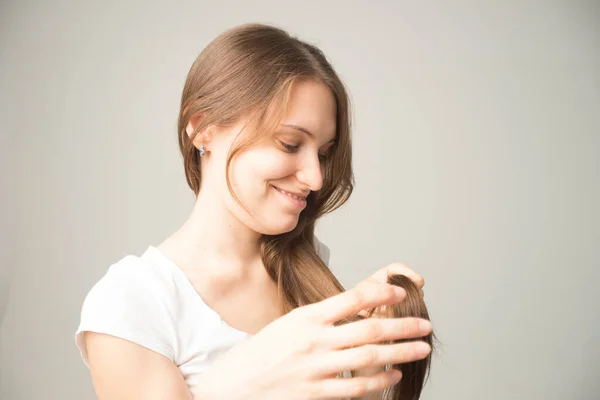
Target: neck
214 239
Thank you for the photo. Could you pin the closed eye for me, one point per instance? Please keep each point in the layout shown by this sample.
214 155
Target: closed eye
290 147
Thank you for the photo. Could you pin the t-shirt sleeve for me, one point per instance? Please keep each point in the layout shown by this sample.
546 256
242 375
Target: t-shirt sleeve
129 302
322 250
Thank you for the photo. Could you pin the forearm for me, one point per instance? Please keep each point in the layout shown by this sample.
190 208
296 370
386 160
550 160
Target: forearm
210 387
206 390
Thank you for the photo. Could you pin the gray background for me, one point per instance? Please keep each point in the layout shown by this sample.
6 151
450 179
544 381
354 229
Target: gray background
477 141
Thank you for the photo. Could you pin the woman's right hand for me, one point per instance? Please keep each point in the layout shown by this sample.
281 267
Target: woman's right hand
299 355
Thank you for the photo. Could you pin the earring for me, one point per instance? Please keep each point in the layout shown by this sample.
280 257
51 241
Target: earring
202 151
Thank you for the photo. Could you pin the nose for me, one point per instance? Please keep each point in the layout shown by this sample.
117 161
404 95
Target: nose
310 173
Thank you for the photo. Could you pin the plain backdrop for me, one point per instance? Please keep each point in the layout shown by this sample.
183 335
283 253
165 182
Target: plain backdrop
476 147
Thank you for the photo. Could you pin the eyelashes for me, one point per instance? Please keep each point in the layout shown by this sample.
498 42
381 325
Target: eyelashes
290 148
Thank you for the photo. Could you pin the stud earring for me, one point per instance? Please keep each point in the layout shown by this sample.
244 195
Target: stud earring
202 151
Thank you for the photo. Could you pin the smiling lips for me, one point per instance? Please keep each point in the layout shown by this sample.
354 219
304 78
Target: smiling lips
296 199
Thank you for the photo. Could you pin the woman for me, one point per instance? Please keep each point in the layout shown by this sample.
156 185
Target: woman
264 130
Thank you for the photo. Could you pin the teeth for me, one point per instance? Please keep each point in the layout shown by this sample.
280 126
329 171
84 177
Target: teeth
293 196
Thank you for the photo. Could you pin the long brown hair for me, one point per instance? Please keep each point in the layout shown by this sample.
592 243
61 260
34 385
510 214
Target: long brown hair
248 71
415 373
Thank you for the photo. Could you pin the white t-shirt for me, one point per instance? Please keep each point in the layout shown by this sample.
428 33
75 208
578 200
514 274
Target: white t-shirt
148 300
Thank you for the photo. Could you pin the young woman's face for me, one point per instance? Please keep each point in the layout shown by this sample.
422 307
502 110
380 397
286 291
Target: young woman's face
273 178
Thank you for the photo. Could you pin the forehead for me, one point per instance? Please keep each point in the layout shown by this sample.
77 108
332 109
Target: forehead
312 106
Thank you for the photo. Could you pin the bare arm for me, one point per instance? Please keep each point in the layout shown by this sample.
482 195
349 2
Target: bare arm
123 370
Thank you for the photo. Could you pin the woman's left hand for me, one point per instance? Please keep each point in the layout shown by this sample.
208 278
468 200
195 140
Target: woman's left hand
382 275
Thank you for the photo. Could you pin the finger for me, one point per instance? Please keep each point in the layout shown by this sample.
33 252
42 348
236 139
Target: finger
372 355
373 312
403 269
364 296
379 312
375 330
355 387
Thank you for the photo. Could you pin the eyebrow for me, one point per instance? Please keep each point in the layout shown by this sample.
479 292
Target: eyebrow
309 133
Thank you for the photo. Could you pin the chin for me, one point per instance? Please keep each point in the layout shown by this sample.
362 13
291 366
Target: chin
281 227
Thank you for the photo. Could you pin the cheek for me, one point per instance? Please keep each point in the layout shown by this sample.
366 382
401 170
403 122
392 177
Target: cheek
279 166
261 167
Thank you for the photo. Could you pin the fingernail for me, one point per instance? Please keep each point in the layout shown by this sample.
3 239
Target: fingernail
399 291
425 326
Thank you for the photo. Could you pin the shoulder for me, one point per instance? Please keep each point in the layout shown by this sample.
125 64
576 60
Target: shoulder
322 250
129 279
132 301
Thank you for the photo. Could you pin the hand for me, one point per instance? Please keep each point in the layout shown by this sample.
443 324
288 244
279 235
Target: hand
381 276
299 355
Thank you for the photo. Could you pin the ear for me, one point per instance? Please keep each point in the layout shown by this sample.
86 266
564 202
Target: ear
202 137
